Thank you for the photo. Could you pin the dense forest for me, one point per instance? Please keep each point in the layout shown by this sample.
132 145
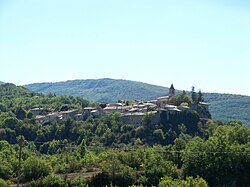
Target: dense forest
181 150
222 106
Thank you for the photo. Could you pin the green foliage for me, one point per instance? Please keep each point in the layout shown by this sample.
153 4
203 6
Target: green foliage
35 168
181 99
20 113
6 169
189 182
3 183
157 167
11 122
184 121
106 90
53 181
8 160
78 182
222 158
227 107
114 172
159 136
82 149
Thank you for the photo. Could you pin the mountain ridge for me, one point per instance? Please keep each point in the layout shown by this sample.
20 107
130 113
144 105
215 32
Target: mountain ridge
73 80
222 106
92 89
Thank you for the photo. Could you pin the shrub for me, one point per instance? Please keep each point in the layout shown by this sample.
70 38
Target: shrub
3 183
35 168
53 181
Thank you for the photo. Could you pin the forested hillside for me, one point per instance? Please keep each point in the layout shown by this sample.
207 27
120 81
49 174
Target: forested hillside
228 107
180 150
224 107
106 90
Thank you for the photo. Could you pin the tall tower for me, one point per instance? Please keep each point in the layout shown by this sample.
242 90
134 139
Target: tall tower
171 91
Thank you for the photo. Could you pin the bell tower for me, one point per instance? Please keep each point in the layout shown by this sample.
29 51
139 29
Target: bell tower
171 91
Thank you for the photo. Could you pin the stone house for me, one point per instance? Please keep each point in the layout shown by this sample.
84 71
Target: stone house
121 109
136 118
69 113
55 116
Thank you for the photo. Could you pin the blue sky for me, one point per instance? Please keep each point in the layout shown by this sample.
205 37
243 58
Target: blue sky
198 43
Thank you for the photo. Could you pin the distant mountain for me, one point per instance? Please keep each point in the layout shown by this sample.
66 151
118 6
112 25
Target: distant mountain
222 106
107 90
1 82
227 107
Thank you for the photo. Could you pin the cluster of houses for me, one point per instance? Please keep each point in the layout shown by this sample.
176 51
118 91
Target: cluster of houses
132 114
55 116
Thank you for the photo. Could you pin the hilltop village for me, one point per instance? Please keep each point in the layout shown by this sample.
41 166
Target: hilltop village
128 143
130 114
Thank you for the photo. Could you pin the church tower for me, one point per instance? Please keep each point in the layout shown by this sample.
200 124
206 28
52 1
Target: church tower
171 91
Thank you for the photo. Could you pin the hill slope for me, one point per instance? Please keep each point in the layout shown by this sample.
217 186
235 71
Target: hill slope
222 106
229 107
108 90
10 91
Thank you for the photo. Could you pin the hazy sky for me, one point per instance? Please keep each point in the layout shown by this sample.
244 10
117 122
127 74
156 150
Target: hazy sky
201 43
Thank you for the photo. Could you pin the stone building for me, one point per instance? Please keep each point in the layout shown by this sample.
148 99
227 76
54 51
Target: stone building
136 118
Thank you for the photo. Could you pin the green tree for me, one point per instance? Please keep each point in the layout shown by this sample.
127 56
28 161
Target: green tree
222 159
53 181
6 169
3 183
78 182
157 167
200 97
115 172
29 115
35 168
20 113
11 122
8 160
159 136
189 182
82 148
194 95
182 99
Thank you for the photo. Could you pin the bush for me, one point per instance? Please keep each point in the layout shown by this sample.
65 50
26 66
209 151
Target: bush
53 181
35 168
78 182
189 182
3 183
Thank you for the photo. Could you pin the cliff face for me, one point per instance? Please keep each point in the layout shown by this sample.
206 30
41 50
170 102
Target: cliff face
202 110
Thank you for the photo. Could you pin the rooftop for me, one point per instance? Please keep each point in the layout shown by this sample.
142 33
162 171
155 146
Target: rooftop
117 107
69 111
203 103
33 109
163 97
89 108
